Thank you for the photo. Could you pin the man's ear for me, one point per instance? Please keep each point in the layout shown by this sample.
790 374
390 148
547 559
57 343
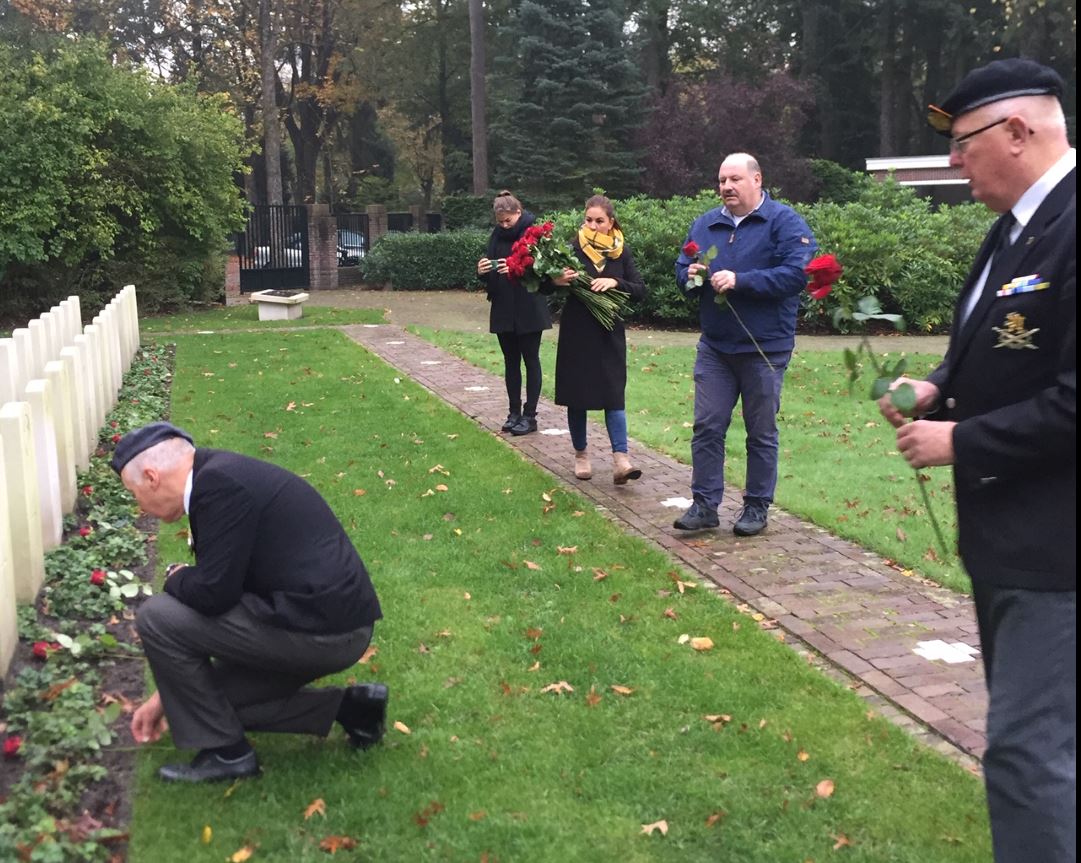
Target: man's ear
1019 130
151 477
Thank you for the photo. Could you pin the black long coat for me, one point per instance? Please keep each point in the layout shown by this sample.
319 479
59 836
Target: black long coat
514 309
1009 381
591 362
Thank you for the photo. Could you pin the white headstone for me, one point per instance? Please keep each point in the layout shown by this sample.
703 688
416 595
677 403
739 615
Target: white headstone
24 356
9 371
38 346
81 437
76 317
43 429
23 501
56 373
96 361
9 624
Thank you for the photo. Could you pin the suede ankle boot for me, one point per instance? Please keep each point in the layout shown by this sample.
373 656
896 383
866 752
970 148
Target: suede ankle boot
582 468
623 469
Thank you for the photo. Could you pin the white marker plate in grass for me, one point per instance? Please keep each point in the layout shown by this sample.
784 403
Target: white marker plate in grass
395 343
431 362
952 653
677 502
371 326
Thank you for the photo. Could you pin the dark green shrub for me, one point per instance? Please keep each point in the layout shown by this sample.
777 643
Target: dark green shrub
466 211
426 262
837 184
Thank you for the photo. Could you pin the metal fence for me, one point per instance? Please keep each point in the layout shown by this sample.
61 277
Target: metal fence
273 249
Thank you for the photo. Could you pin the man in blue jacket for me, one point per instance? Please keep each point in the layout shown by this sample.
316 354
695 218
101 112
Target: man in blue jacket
748 273
277 597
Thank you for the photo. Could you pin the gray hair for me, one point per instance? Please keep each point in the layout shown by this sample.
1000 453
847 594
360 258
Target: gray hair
751 161
163 457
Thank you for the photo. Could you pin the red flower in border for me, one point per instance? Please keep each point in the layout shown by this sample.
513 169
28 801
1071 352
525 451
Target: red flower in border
823 272
97 577
12 745
691 249
85 530
41 649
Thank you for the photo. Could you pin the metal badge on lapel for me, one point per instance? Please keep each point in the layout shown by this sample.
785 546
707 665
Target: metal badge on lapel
1022 285
1012 333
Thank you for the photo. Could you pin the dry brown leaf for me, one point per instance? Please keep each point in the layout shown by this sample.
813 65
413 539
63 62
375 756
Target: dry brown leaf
242 855
559 687
599 574
841 842
368 654
567 549
442 487
466 595
670 613
802 755
479 815
334 844
206 835
317 807
824 788
593 698
662 826
292 406
402 727
702 643
901 535
534 667
621 690
715 818
424 648
534 633
271 435
359 492
531 565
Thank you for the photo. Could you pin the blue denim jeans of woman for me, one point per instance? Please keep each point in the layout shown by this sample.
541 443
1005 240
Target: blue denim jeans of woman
721 380
614 420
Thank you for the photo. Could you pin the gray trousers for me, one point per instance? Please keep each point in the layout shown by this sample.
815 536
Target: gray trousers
1029 645
720 381
219 677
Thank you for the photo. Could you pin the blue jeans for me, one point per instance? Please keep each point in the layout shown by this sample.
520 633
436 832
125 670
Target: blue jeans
614 420
720 380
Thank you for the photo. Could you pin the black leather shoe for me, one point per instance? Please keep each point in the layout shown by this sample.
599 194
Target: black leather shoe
511 421
363 713
525 425
698 517
211 767
752 519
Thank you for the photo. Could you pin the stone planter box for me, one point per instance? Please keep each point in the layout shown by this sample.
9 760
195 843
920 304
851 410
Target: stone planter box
280 305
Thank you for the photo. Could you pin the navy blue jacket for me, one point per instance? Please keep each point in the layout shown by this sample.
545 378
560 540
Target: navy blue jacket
768 253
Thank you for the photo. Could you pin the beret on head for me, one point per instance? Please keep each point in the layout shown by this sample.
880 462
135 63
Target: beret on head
1002 79
137 440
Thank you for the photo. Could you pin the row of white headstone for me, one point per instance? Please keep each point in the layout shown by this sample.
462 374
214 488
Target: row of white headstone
58 381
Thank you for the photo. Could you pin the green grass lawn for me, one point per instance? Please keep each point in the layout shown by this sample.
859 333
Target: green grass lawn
496 586
838 466
246 317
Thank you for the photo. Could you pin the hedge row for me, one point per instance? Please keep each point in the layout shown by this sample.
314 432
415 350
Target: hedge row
892 244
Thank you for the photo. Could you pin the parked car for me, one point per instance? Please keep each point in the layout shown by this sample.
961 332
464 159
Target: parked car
288 256
351 246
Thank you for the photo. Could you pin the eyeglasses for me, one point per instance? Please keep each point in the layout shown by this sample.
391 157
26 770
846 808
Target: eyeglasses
958 144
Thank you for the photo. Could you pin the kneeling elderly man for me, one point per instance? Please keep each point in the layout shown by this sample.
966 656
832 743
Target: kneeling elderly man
277 597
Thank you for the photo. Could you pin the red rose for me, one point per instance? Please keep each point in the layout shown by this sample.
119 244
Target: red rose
41 649
823 272
528 261
88 490
97 577
691 249
113 424
115 438
85 530
12 745
547 228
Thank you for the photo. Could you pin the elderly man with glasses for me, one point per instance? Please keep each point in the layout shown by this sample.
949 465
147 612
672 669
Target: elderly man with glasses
1002 409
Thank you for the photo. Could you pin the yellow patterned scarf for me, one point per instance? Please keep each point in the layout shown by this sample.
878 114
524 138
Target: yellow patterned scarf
600 248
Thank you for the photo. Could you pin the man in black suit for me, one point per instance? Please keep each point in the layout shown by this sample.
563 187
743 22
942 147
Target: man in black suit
277 598
1002 409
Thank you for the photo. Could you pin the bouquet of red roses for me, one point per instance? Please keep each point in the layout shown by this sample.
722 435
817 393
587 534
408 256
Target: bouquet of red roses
537 255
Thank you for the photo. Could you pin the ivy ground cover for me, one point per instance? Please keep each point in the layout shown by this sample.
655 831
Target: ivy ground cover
544 703
839 467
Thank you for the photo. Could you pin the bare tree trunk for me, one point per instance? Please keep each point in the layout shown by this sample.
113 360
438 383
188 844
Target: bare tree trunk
905 106
271 128
887 102
477 97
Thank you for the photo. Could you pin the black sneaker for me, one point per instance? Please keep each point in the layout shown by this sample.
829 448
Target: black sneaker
752 520
698 517
511 421
525 425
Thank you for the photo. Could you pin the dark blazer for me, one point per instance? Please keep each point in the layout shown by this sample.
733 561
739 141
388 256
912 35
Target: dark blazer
514 309
261 532
1009 379
591 362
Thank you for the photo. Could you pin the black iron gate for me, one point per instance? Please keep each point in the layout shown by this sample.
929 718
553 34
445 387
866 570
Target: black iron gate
273 249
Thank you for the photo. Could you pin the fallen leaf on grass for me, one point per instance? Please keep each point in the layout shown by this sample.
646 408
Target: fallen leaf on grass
292 406
715 818
368 654
242 855
317 807
593 698
662 826
402 727
841 842
599 574
621 690
802 755
531 565
670 613
702 643
558 688
824 788
334 844
359 492
534 633
206 835
479 815
567 549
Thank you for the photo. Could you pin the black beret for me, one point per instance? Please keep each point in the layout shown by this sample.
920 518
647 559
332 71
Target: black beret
1002 79
137 440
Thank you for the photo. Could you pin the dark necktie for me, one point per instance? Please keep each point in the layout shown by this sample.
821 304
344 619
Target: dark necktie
1004 236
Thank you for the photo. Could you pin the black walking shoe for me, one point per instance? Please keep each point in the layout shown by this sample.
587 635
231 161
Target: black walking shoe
208 766
752 520
698 517
511 421
363 714
525 425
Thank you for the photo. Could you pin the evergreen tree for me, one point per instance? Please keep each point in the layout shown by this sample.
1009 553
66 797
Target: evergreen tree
570 104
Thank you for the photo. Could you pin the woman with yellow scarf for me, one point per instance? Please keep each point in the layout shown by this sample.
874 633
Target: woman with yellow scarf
591 362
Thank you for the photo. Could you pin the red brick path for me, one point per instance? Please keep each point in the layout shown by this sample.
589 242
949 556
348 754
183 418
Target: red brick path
853 615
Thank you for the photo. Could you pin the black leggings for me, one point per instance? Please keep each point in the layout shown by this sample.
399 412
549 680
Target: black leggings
518 348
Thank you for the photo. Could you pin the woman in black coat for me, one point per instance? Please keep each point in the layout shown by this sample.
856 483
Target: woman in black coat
591 362
517 317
